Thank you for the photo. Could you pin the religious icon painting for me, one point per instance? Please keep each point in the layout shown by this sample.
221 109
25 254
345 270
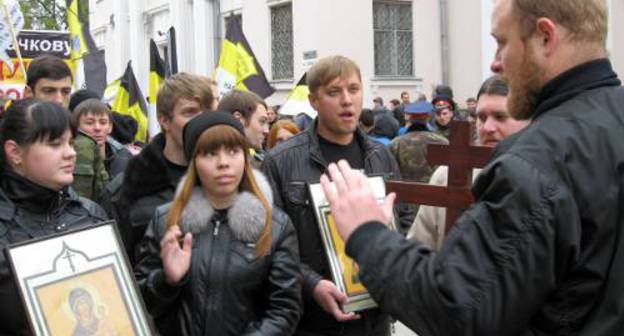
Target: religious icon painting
344 269
78 283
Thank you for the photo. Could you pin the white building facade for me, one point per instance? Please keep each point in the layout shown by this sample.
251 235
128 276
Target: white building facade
400 45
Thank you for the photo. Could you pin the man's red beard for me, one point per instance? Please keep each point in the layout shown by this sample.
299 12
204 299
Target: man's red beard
524 88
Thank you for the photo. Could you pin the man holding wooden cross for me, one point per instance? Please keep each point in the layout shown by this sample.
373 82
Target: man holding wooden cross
493 125
541 252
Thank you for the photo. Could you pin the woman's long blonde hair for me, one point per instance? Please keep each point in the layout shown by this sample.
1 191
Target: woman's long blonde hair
210 140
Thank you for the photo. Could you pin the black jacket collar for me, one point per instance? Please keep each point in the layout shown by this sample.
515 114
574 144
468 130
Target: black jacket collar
146 173
315 149
587 76
18 191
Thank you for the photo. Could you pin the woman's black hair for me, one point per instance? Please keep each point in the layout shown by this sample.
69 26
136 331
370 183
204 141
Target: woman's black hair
28 121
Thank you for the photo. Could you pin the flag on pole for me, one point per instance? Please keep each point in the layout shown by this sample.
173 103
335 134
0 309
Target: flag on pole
297 101
157 75
171 56
11 22
129 101
111 92
90 63
238 67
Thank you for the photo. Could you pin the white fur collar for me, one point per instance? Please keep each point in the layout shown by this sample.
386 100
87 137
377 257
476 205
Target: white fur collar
246 215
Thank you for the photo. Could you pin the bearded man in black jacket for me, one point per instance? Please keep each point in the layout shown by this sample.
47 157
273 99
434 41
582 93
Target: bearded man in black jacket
541 252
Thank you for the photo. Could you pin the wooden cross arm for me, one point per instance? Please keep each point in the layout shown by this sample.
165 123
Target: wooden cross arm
425 194
473 156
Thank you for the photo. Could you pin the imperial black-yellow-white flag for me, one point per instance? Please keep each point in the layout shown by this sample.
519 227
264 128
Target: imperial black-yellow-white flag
238 67
297 101
157 75
171 56
130 101
90 65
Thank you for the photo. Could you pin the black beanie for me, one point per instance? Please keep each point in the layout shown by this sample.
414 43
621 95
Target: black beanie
80 96
194 128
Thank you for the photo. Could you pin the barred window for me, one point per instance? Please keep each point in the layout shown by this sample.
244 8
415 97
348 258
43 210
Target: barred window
392 25
282 42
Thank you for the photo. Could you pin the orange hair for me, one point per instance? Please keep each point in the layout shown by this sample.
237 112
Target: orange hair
285 124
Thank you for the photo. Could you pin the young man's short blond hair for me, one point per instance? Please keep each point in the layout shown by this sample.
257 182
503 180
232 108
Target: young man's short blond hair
329 68
187 86
586 20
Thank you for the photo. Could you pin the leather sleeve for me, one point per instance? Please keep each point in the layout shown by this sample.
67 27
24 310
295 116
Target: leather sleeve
500 262
158 295
310 277
284 288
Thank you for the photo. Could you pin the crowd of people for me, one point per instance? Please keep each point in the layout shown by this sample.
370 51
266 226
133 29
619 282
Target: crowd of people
217 220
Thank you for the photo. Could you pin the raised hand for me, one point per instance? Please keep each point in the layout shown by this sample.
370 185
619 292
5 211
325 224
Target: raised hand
351 195
176 260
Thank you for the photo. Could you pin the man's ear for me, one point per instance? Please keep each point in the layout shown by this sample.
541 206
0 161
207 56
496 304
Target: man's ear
163 120
28 92
240 118
313 100
548 35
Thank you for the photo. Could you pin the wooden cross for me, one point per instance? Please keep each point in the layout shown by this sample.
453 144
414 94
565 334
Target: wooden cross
461 157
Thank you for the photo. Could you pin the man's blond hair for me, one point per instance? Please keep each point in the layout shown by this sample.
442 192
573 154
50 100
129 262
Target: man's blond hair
586 20
187 86
329 68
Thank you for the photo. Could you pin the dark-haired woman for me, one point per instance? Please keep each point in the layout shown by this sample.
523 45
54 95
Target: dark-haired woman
220 260
37 164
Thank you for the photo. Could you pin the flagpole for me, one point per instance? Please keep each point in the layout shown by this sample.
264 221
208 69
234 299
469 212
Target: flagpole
15 44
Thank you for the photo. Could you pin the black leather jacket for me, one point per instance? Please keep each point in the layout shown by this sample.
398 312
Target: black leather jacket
117 157
228 289
541 252
146 185
65 211
290 167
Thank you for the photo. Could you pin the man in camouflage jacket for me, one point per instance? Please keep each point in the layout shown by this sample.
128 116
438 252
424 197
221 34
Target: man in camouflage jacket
410 149
90 175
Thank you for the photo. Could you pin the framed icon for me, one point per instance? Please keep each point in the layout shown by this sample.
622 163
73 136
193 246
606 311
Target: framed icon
78 283
345 271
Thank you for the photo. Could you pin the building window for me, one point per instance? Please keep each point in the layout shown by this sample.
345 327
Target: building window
392 25
282 42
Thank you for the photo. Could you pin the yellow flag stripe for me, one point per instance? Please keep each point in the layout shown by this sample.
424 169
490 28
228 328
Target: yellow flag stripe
79 47
121 105
300 92
155 81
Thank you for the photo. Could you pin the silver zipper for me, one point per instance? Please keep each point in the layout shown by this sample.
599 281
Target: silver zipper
216 228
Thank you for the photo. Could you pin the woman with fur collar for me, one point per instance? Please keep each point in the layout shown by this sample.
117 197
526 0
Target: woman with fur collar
219 259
